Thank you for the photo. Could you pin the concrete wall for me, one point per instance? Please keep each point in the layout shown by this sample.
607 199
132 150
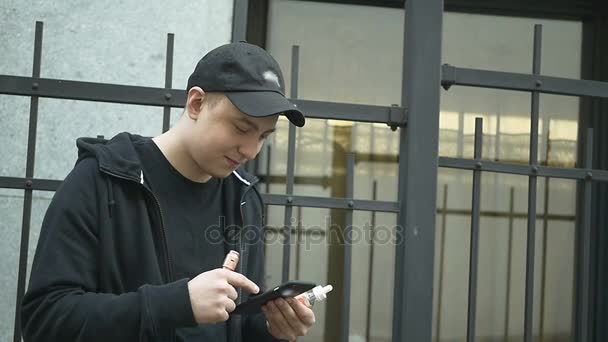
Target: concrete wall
96 41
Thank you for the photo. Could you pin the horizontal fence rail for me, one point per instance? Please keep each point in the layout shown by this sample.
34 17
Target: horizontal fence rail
523 169
445 162
452 75
176 98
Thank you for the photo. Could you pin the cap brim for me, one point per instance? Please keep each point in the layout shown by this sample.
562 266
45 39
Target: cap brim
266 103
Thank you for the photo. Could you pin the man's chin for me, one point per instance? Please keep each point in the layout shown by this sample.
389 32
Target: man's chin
223 173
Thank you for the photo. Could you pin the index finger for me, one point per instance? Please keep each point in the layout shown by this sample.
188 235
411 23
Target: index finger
238 280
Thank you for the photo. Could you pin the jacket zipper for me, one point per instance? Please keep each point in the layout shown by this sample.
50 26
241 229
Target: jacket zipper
241 246
164 237
162 226
240 242
236 336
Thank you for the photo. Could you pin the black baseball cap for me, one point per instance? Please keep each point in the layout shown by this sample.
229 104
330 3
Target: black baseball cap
249 77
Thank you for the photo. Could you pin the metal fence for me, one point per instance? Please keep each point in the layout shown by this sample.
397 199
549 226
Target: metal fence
418 164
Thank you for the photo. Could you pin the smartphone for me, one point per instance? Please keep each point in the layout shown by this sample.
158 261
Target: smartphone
289 289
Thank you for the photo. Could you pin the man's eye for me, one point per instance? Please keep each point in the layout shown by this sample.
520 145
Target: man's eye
242 130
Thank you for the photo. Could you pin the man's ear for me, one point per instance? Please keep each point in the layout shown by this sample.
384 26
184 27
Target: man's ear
194 102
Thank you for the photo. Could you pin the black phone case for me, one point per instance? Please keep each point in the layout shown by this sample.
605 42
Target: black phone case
255 302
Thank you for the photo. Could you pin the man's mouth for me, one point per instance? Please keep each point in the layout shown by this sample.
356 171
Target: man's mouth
232 162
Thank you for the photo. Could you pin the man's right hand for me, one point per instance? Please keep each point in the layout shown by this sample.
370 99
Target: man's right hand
212 294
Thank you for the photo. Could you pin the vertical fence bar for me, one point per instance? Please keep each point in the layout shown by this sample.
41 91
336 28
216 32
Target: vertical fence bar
325 169
583 331
295 66
168 80
29 173
299 233
239 20
295 69
474 247
509 257
267 188
418 148
370 275
497 140
289 208
291 151
532 182
348 231
444 220
268 166
353 137
543 263
546 141
460 137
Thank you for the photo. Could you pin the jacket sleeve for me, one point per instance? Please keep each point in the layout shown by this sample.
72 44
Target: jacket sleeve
62 302
255 329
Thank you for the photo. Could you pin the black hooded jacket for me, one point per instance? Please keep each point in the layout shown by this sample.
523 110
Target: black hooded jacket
101 270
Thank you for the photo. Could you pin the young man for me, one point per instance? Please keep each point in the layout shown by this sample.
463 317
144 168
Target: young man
133 241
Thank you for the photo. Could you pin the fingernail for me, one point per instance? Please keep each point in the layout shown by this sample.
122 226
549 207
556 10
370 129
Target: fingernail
257 289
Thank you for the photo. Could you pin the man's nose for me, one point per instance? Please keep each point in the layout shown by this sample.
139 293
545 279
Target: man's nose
249 149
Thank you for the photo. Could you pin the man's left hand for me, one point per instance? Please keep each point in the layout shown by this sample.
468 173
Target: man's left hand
287 318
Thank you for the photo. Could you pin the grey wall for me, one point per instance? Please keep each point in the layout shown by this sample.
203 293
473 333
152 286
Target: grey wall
96 41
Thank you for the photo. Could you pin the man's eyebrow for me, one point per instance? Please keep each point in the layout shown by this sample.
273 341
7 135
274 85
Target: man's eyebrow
254 126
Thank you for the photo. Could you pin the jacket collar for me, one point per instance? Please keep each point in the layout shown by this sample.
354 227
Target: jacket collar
244 177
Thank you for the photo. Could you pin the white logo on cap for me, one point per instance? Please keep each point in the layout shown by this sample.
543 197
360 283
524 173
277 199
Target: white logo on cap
270 76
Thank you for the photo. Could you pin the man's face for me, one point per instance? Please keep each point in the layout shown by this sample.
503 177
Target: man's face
224 138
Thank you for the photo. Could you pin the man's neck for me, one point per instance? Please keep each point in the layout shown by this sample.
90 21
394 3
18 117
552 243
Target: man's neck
178 156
